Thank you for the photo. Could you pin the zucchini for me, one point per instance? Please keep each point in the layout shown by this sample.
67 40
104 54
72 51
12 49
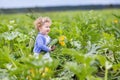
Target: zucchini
53 42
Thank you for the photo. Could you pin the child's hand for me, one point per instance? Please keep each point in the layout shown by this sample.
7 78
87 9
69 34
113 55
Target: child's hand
53 48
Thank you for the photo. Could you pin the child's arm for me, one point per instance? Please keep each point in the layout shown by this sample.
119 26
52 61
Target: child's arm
40 44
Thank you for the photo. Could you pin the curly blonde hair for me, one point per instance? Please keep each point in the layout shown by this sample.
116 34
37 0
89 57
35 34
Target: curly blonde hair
40 21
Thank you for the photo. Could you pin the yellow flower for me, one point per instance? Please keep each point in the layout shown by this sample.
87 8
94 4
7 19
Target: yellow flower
46 69
43 74
32 71
62 43
62 38
116 21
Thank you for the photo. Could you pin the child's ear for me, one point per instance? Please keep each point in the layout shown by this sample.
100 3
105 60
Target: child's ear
39 28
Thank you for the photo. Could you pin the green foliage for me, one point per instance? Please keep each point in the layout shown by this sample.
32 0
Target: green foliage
91 48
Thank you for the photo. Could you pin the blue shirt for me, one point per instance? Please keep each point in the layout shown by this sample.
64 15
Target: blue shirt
40 44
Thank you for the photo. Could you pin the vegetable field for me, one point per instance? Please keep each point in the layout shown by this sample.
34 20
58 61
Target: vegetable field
88 46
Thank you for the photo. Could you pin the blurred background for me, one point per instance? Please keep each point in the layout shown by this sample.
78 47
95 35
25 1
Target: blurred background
14 6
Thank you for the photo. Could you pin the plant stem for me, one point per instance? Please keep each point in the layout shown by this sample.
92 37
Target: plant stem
115 58
13 63
106 73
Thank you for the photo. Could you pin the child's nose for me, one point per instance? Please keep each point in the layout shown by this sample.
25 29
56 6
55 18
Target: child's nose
48 30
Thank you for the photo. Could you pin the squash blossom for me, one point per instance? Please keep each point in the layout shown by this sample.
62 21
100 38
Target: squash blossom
62 43
46 70
62 40
43 74
116 21
32 71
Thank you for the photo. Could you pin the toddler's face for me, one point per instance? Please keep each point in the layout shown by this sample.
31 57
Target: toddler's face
45 29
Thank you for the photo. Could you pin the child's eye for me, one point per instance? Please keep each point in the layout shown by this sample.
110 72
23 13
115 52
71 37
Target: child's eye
47 26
